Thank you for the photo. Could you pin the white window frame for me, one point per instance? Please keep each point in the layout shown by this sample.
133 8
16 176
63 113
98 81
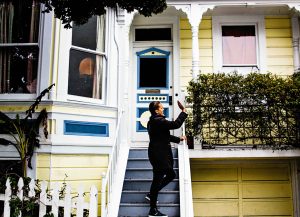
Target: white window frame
259 23
63 67
44 44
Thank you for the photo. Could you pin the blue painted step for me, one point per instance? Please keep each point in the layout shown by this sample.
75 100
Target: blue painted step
144 185
144 163
142 210
138 178
164 197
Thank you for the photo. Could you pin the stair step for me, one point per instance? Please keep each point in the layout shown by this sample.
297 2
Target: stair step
142 210
143 153
164 197
143 163
144 184
139 173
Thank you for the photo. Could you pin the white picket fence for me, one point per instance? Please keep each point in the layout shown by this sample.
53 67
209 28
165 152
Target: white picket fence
55 202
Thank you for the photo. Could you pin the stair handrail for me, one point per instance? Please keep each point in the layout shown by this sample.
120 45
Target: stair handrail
108 177
186 197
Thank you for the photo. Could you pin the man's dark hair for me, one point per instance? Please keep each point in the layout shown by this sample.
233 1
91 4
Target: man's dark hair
153 106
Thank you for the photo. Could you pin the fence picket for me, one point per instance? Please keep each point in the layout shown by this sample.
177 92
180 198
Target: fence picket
43 199
31 192
80 201
20 191
55 199
7 197
93 202
68 202
55 202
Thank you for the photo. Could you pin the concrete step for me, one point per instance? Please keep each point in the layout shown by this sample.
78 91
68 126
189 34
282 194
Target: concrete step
144 185
164 197
142 210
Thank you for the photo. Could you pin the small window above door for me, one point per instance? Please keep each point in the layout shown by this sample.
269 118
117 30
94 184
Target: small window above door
153 34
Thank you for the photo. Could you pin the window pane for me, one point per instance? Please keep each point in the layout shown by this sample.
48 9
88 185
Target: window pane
85 74
18 69
239 45
90 35
19 21
153 34
153 72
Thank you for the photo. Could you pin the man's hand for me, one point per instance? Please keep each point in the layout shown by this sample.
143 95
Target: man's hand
182 108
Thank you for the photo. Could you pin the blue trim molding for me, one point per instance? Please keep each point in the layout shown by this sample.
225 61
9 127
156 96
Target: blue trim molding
81 128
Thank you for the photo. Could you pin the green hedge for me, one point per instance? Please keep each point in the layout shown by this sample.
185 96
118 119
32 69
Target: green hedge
257 109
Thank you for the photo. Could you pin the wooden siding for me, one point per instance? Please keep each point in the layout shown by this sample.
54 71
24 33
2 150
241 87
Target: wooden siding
241 189
205 49
279 45
80 169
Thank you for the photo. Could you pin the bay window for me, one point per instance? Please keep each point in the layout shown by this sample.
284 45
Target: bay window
87 58
19 50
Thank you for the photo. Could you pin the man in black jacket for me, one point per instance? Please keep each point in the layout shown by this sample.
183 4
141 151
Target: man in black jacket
160 152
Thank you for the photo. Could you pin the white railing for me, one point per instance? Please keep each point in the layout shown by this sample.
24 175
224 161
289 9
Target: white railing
52 199
109 177
185 184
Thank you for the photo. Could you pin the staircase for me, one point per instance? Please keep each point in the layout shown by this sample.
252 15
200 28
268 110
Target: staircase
138 178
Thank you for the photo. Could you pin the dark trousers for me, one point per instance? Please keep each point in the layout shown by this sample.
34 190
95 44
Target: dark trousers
160 180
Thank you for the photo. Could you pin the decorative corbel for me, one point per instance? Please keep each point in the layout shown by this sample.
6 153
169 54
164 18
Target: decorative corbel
194 14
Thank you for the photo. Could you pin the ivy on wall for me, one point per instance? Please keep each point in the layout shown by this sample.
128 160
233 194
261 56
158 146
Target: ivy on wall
256 109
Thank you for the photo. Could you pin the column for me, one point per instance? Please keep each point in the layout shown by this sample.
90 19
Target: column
296 33
194 13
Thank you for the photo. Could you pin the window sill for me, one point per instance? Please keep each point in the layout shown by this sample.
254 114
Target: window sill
12 96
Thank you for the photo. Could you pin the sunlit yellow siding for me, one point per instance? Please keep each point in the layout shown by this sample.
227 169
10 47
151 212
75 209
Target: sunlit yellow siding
74 169
279 45
205 49
241 189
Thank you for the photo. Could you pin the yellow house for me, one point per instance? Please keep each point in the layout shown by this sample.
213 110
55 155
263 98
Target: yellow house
108 70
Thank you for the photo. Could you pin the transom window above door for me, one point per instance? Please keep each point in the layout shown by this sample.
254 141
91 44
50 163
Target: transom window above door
153 34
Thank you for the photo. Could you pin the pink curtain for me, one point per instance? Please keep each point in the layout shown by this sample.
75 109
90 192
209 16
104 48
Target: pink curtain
239 50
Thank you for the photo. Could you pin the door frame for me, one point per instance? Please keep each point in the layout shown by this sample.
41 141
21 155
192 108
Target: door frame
155 21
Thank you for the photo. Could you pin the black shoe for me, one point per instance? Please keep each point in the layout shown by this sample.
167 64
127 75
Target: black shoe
148 197
155 212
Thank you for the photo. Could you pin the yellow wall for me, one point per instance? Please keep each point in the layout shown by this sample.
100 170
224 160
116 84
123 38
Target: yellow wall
80 169
279 45
279 50
241 189
205 49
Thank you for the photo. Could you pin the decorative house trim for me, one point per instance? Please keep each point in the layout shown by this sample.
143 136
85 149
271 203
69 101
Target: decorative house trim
82 128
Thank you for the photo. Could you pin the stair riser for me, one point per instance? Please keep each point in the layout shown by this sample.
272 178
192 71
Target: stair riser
134 211
140 197
138 174
145 186
143 153
144 164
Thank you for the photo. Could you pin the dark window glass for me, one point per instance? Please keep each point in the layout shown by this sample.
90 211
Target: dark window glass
155 34
19 23
85 68
238 31
153 72
85 35
85 74
18 67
